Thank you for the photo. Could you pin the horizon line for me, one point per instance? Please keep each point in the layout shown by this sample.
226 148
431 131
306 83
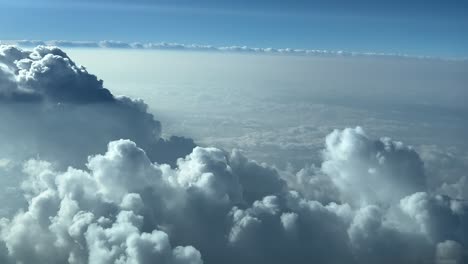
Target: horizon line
113 44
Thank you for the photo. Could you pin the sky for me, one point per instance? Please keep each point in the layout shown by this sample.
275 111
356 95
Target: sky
431 28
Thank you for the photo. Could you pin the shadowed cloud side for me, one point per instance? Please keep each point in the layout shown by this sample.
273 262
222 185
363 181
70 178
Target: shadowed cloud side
61 112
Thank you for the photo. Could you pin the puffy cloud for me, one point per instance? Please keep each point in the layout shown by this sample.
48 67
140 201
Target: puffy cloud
70 112
372 171
78 217
374 239
439 217
257 180
289 223
49 74
313 184
110 211
125 208
145 199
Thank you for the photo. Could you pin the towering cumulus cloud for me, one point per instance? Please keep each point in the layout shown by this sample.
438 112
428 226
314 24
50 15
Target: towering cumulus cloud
99 185
70 112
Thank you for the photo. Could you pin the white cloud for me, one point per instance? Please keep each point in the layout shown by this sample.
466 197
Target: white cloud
111 210
69 109
78 217
372 171
439 217
368 202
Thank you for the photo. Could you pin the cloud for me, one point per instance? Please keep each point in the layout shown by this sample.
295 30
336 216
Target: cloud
198 47
89 217
96 215
124 207
438 217
114 44
372 171
447 171
100 185
74 44
70 111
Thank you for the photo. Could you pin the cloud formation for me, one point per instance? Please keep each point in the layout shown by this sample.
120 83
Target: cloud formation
70 112
372 171
123 207
369 200
197 47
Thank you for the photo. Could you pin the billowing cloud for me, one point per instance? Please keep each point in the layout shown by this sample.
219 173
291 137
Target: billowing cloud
123 206
70 112
372 171
439 217
100 186
81 217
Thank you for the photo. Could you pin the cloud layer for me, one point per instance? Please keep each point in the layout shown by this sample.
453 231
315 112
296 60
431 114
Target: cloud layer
70 112
196 47
369 201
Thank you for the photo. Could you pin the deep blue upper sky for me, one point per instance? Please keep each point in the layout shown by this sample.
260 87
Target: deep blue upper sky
430 27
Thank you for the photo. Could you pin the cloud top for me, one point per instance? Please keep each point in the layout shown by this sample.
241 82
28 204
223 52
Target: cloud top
62 112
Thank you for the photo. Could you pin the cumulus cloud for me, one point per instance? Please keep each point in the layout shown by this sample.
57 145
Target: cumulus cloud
123 207
101 186
439 217
70 111
88 217
372 171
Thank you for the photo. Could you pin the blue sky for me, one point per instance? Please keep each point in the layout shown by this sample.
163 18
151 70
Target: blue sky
434 28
